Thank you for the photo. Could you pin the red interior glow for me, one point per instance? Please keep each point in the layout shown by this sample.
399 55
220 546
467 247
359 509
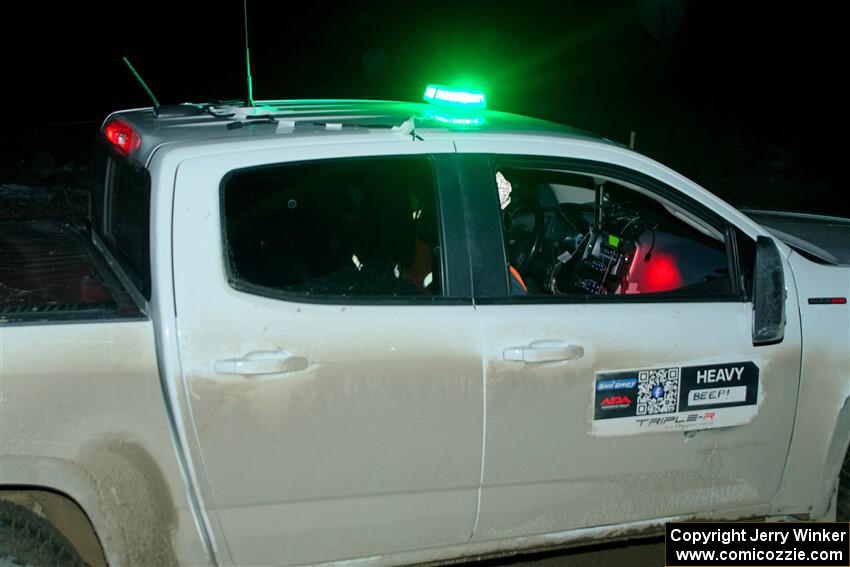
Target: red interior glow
660 273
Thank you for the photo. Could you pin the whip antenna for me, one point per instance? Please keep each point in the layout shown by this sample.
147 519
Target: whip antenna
142 82
247 54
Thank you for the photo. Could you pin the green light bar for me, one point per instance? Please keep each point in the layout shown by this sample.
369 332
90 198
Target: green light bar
452 96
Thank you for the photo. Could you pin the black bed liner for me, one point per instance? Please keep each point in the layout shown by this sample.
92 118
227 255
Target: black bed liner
51 271
826 238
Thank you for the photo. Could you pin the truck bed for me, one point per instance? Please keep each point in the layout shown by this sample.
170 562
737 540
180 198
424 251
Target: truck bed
51 271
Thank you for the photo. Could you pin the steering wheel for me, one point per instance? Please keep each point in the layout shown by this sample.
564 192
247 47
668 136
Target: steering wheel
523 244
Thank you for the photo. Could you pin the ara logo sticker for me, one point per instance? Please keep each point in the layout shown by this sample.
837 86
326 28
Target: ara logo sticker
616 402
663 399
615 395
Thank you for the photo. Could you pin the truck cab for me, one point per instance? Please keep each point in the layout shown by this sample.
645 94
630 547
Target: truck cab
400 333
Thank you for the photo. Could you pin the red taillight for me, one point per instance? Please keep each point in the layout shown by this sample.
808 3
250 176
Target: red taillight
122 136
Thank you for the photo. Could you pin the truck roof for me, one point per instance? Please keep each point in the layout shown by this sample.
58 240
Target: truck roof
233 120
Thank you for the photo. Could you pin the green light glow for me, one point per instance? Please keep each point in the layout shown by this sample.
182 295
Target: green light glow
613 240
459 120
455 96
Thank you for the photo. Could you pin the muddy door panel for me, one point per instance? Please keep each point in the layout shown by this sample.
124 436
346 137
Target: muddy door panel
622 380
336 391
591 441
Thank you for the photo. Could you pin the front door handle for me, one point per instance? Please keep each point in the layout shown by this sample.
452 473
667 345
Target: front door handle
262 362
544 351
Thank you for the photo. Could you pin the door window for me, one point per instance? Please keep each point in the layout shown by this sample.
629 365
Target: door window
568 233
334 228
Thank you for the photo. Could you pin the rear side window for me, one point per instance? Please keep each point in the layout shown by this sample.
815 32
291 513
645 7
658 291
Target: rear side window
334 228
121 212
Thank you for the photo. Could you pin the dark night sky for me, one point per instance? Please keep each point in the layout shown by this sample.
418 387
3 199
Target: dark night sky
730 95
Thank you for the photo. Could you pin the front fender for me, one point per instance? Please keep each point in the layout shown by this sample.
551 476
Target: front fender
822 423
838 447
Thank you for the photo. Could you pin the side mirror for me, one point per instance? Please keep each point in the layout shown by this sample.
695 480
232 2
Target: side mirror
768 294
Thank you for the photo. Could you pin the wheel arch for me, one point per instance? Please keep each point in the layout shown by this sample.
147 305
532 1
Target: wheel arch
839 447
117 498
63 513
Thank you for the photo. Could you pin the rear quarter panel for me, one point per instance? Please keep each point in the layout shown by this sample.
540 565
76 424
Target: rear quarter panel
82 413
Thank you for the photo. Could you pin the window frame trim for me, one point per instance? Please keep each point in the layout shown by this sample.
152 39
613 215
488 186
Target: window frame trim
650 184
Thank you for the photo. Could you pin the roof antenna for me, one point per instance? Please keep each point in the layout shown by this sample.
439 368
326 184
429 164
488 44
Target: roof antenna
247 54
142 82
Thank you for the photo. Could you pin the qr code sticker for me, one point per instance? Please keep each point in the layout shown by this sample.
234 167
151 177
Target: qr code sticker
658 391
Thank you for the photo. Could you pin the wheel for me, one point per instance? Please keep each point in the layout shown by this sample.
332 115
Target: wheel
842 509
27 539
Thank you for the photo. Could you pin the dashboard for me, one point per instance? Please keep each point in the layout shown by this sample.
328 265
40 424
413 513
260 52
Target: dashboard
619 243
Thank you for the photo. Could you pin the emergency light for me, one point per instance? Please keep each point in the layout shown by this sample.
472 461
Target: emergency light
458 120
453 96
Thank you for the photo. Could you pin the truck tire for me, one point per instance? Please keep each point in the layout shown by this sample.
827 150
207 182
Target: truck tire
842 508
27 539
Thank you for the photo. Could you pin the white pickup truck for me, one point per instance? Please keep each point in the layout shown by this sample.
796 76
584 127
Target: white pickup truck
382 333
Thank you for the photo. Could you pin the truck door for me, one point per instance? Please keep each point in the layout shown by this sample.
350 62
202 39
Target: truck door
329 349
622 381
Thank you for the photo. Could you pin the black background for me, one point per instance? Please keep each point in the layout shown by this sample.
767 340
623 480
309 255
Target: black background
744 98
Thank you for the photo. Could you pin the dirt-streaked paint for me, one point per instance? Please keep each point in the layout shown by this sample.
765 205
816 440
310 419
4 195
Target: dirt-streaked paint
134 494
83 414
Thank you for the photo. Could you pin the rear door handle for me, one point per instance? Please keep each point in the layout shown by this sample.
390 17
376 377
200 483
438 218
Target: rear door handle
262 362
544 351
